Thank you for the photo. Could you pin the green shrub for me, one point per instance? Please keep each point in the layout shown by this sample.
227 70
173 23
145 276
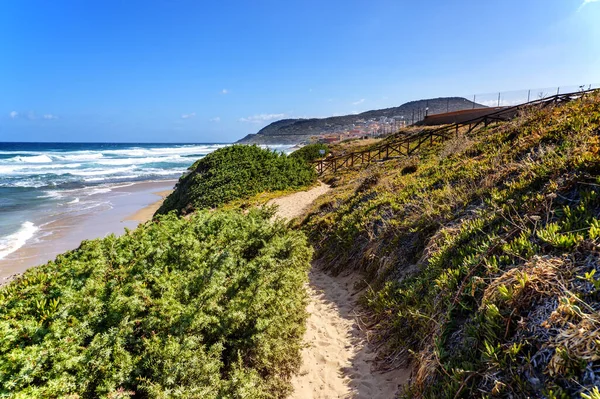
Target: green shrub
236 172
311 152
210 307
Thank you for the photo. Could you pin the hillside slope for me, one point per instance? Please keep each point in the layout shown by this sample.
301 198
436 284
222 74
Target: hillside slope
292 131
481 255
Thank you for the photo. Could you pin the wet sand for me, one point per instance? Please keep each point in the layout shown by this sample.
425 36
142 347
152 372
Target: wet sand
126 207
146 213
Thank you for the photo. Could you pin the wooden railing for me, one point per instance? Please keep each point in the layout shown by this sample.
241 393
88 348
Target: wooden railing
409 144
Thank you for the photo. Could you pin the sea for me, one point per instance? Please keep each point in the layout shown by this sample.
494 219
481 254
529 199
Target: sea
44 182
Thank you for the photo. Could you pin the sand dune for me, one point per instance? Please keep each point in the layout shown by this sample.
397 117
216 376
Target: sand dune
337 361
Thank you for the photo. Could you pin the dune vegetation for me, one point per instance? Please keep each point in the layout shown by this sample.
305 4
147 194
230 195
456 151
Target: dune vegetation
311 152
237 172
211 306
481 254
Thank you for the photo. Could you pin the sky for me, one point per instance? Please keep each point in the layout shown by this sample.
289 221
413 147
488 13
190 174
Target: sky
214 71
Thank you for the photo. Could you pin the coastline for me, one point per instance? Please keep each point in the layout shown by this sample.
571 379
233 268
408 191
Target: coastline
129 206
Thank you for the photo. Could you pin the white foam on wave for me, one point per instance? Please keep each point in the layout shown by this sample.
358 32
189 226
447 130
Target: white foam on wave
80 157
25 183
101 172
11 243
163 172
51 194
48 168
165 151
35 169
32 159
75 201
99 191
141 161
20 152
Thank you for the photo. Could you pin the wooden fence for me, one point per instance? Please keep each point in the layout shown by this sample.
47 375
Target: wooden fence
407 145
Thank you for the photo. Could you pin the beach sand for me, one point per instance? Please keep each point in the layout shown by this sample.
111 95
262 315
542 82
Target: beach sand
145 214
337 361
127 207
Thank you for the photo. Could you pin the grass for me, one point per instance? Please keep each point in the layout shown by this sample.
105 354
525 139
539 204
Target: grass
481 254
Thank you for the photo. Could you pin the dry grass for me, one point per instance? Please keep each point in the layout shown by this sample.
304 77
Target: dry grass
542 276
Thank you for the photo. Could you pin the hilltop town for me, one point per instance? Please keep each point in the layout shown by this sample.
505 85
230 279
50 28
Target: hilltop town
370 123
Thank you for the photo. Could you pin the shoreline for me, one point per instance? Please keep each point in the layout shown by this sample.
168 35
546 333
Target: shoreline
128 206
146 213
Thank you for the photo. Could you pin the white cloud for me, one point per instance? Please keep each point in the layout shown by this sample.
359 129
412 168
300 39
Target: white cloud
216 119
224 91
362 100
586 2
31 116
188 116
503 102
262 118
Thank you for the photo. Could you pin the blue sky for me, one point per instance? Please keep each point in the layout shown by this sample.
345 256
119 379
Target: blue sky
200 71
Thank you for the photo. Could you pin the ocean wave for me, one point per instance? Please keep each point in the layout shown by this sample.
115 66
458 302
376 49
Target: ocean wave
165 151
28 169
99 191
32 159
141 161
88 156
52 194
63 169
20 152
100 172
11 243
162 172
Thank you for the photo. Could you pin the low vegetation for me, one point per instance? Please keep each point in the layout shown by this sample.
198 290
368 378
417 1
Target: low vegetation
482 256
211 306
311 152
237 172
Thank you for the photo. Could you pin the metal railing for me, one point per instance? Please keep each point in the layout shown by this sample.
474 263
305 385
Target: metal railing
496 99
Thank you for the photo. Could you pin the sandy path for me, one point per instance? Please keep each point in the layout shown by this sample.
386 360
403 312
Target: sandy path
337 361
294 205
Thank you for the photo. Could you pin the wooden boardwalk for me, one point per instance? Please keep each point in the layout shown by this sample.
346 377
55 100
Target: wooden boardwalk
409 144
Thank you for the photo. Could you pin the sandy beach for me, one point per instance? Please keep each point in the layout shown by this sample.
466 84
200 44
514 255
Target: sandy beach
146 213
126 207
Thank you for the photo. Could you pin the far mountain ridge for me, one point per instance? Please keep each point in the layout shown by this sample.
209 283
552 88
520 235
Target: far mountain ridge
293 131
